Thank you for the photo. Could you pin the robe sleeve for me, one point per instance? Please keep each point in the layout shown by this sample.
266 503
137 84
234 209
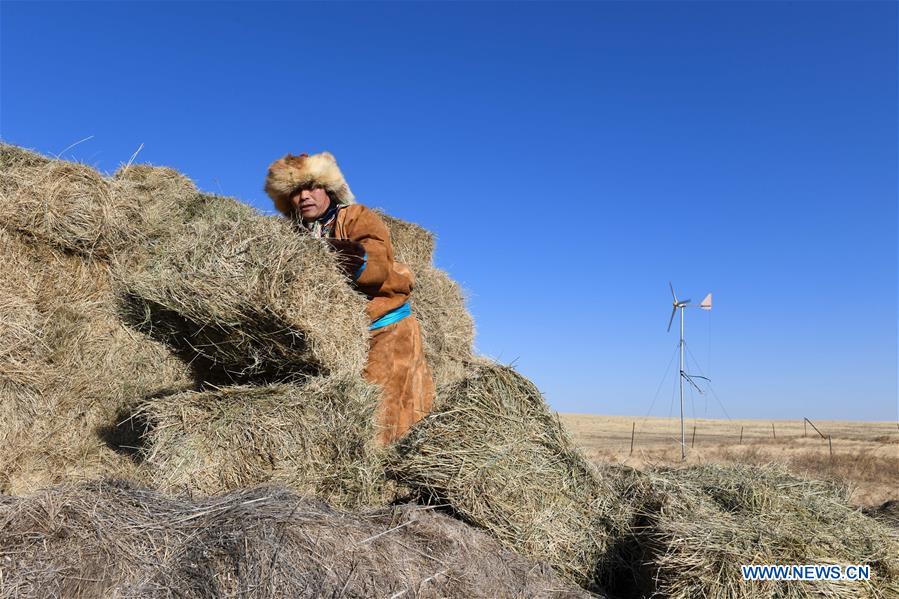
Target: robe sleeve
366 228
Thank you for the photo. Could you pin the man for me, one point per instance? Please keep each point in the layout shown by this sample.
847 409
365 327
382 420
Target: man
311 190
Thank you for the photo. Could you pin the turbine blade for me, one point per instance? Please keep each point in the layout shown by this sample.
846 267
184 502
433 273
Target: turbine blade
670 320
685 302
672 292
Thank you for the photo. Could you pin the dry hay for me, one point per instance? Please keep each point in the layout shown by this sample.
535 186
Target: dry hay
158 183
107 539
494 451
12 157
20 346
447 329
67 365
696 526
73 207
412 244
249 297
318 437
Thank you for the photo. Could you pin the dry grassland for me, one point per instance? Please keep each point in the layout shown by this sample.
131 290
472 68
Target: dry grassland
865 454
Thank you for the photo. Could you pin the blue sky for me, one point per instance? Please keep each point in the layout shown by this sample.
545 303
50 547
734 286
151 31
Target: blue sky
571 157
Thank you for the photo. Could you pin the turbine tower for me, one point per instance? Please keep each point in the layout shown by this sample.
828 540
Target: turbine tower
680 305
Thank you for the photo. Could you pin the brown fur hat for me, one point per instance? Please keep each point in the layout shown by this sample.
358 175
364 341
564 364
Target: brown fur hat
290 173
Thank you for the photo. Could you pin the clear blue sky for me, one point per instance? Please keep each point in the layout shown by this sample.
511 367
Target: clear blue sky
572 158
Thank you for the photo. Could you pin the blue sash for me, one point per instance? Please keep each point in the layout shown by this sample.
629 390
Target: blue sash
395 315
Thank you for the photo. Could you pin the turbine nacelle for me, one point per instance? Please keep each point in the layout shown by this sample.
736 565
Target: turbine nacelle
705 305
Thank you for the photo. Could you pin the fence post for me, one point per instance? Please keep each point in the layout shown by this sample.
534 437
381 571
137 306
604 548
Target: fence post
633 429
693 442
741 435
804 428
773 432
830 443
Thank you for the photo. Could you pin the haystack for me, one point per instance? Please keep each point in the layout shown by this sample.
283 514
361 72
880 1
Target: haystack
209 292
494 451
317 437
108 539
696 526
249 298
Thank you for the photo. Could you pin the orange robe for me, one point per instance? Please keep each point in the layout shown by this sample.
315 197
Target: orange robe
396 359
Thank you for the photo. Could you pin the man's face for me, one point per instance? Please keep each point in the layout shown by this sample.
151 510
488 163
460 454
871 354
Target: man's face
309 204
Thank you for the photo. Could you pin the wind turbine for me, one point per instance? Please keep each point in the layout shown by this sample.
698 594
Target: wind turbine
706 304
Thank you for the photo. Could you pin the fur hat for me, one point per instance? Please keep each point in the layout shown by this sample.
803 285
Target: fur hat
290 173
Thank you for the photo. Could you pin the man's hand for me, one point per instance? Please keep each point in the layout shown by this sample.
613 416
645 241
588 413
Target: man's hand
350 256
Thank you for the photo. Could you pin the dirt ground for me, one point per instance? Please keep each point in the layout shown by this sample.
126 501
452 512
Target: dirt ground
865 454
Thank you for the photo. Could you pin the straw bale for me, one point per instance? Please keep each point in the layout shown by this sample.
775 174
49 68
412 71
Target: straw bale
494 451
250 297
64 203
412 244
108 539
67 204
154 182
14 163
447 329
75 208
20 345
697 525
318 437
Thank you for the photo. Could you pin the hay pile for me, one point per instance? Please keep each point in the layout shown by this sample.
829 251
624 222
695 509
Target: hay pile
317 437
694 527
115 540
82 347
888 513
138 294
494 451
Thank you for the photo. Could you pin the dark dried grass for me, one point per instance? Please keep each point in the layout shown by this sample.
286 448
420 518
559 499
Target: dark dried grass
107 539
888 513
